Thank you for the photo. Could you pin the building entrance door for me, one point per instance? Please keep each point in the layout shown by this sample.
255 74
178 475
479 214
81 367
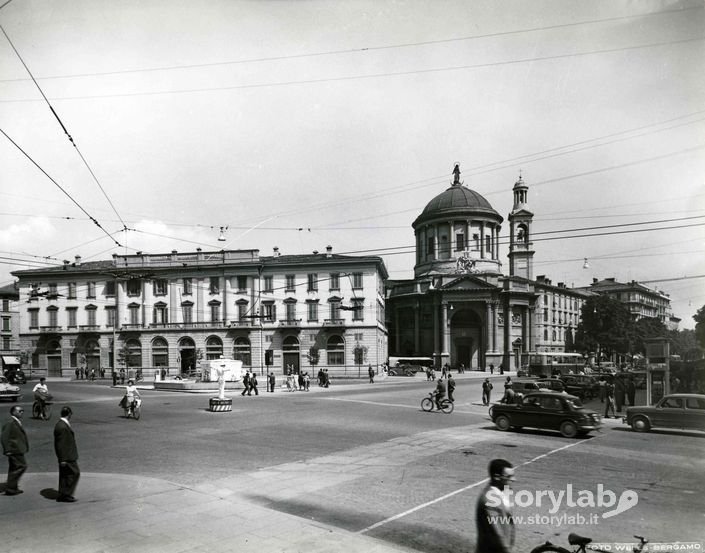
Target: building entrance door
54 365
463 355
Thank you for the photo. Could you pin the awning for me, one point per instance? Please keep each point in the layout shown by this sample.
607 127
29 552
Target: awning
10 360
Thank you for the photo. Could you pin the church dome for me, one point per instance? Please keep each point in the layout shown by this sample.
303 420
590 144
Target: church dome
457 200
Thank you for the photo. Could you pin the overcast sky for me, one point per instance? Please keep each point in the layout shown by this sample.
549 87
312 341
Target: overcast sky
302 124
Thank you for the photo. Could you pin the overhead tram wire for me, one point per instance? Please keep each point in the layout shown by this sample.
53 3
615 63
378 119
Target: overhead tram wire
95 221
66 132
366 48
375 75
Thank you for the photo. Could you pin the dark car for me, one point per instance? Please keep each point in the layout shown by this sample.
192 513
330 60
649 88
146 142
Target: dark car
16 376
581 385
685 411
547 410
552 384
525 385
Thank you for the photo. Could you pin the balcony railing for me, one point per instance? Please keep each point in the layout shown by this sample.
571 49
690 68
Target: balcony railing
290 322
88 327
334 322
50 328
242 324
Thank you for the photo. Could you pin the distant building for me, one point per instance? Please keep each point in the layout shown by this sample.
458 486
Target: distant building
9 324
641 300
172 311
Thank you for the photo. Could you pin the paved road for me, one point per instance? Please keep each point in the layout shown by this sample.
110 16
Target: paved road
351 468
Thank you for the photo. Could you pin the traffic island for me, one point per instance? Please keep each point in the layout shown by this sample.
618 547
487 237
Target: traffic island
220 405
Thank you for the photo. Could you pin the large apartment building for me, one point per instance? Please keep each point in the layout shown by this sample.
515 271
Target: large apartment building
172 311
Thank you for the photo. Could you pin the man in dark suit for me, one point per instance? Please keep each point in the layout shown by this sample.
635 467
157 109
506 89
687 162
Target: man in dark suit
14 445
493 518
67 454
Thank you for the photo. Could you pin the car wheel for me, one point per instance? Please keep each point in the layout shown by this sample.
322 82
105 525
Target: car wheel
502 422
641 424
568 429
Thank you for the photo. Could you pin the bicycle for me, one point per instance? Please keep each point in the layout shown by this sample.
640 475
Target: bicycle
39 413
134 409
582 544
428 403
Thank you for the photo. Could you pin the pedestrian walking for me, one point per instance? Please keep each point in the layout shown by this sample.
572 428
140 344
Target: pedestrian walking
620 392
307 381
493 517
271 382
77 371
114 374
14 446
246 384
486 391
609 401
326 378
300 380
451 387
92 375
603 384
491 368
289 382
371 373
461 368
67 455
253 384
122 377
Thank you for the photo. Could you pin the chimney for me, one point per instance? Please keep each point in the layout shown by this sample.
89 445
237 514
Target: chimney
78 260
66 264
329 251
276 251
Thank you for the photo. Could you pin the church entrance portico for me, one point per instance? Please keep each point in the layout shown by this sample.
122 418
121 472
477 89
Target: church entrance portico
466 338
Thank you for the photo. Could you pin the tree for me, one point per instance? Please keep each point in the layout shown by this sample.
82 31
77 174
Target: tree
606 326
645 328
314 355
699 319
684 343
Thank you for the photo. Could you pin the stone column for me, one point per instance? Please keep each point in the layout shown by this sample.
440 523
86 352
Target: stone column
445 321
482 240
436 332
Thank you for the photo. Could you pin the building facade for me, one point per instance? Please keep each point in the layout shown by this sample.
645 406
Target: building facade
171 312
460 308
9 325
641 300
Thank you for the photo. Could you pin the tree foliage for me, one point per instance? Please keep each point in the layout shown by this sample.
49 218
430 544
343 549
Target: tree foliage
699 319
606 326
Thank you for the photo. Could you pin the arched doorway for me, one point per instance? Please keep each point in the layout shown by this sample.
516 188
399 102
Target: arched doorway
187 354
92 355
290 353
467 339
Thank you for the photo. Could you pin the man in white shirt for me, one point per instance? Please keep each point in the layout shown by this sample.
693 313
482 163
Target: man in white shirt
41 394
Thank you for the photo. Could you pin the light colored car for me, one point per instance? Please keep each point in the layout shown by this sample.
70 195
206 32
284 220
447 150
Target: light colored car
685 411
7 390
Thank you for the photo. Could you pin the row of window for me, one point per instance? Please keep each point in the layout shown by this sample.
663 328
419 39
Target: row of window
160 287
160 313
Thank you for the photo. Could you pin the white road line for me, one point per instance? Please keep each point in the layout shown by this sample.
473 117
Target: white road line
405 405
456 492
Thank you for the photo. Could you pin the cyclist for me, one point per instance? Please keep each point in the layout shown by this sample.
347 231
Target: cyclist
41 395
439 393
131 394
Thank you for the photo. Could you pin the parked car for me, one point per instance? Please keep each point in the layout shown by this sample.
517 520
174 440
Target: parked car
552 384
685 411
548 410
7 390
16 376
406 370
581 385
525 385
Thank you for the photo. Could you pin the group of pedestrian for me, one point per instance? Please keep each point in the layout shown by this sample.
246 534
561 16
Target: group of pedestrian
323 378
249 381
84 373
15 445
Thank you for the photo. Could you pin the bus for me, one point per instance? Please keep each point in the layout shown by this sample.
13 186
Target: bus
546 364
408 366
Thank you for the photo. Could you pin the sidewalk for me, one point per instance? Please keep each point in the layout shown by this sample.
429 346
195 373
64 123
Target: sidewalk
124 514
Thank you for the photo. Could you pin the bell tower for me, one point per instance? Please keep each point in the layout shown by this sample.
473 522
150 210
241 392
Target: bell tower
521 254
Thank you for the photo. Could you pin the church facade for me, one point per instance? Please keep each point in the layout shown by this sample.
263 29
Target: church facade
460 308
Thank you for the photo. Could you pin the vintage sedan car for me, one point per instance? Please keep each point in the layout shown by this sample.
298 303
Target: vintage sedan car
16 376
684 411
547 410
581 385
552 384
7 390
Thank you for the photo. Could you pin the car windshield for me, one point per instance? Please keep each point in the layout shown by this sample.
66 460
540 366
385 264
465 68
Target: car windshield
575 402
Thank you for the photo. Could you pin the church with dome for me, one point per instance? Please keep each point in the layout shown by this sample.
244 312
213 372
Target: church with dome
460 307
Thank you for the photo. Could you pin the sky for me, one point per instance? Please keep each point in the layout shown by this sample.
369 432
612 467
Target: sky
302 124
